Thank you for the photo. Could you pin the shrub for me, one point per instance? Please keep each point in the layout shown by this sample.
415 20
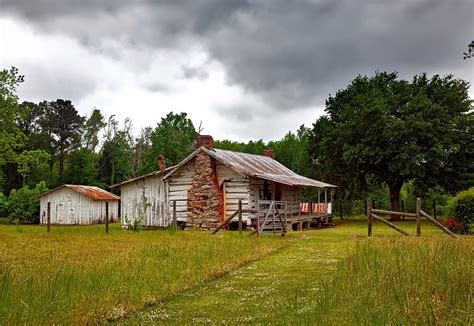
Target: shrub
454 225
135 224
22 204
461 208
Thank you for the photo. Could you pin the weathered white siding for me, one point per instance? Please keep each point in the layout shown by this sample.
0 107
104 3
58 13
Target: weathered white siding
145 199
235 187
179 184
71 207
292 197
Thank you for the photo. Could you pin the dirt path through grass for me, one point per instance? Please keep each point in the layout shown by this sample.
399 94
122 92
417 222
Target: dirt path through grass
256 292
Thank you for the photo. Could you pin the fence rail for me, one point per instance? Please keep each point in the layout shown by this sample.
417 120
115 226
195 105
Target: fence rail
372 214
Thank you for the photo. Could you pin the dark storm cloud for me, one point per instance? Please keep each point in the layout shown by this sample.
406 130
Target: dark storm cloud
195 72
291 53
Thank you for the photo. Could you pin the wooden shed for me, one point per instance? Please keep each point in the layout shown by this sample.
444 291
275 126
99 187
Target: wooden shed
77 204
205 188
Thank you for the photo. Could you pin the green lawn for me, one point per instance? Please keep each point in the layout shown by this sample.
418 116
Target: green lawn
78 274
331 276
339 277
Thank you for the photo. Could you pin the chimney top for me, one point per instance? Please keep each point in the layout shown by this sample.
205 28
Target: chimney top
205 140
269 152
161 163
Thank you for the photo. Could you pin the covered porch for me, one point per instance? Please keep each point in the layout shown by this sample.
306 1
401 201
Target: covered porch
292 207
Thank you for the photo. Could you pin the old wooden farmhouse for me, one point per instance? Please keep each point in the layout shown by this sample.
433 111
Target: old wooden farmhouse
205 188
76 204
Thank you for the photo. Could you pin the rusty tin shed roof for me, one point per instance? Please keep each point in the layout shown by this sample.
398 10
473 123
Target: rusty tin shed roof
256 166
94 193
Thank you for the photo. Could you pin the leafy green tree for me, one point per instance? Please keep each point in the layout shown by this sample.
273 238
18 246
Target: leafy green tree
252 147
27 117
23 204
292 150
64 125
94 124
17 122
141 149
173 138
30 160
11 137
381 129
82 167
116 153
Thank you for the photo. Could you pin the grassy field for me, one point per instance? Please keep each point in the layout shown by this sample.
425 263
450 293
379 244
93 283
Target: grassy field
331 276
79 275
337 277
400 282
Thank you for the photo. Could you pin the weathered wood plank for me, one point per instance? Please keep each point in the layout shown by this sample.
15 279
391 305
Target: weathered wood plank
439 225
393 226
381 211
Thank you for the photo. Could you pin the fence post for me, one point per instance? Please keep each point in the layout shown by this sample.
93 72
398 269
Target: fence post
48 221
175 222
106 217
418 217
240 216
369 217
434 208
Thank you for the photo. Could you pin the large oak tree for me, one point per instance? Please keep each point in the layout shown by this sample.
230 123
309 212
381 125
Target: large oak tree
384 129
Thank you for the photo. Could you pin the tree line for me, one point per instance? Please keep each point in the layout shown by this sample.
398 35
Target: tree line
379 134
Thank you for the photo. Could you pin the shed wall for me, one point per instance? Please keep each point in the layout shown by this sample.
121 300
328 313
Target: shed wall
145 198
71 207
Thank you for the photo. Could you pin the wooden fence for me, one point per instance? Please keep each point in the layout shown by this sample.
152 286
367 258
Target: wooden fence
375 214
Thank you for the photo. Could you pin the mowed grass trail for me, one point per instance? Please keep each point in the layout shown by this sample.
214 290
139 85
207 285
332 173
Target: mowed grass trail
79 274
337 277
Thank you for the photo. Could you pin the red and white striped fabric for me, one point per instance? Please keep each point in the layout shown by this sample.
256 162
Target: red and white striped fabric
315 209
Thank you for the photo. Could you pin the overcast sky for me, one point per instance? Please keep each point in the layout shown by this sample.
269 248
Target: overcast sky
246 69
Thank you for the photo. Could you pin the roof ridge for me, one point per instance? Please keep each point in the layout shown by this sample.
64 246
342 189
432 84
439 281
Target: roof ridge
245 153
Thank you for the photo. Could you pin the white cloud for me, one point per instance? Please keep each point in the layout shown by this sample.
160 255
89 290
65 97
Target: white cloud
144 86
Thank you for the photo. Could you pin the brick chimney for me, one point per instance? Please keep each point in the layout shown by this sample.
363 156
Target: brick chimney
161 163
269 152
205 140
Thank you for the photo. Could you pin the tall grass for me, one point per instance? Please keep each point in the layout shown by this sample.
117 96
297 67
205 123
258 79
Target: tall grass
398 281
79 275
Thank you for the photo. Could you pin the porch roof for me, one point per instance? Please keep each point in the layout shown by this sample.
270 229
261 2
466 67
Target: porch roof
256 166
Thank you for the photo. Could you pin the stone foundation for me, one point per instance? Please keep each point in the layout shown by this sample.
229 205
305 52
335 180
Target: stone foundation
205 199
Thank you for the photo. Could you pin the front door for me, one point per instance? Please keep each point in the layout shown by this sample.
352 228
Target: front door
278 191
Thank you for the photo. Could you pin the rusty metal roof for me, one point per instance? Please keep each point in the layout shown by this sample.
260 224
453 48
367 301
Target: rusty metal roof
94 193
256 166
151 174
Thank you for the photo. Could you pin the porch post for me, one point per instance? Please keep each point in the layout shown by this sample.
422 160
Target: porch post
310 205
299 208
332 207
326 199
326 204
319 201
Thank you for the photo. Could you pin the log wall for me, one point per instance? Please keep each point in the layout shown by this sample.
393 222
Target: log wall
235 187
179 184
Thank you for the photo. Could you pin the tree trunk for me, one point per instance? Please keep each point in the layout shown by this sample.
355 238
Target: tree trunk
394 189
